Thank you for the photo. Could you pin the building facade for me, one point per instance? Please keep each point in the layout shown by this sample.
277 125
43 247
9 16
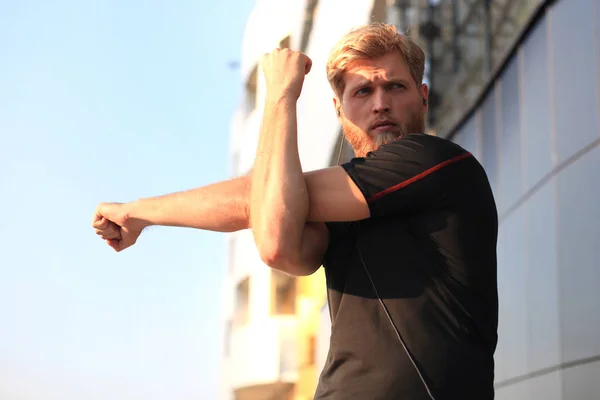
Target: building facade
261 342
517 84
272 320
535 127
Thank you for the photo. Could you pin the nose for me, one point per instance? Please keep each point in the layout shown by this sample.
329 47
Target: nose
381 101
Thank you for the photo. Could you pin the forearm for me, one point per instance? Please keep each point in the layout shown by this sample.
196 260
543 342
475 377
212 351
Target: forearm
221 207
279 198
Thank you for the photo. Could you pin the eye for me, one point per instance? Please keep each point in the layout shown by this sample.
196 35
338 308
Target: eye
397 86
362 91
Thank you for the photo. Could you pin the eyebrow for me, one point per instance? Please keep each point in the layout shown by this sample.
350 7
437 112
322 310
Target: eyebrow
361 83
365 82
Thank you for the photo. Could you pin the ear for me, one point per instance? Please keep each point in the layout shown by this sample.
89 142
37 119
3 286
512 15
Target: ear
425 95
337 105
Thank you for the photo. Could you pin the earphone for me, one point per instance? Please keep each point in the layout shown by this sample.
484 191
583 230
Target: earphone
387 313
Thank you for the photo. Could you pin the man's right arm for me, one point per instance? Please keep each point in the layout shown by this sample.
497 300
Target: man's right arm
220 207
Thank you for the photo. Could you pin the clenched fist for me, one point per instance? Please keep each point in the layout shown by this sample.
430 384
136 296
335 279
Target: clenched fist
113 223
284 71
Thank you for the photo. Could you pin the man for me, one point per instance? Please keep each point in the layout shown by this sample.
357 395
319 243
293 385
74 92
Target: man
406 231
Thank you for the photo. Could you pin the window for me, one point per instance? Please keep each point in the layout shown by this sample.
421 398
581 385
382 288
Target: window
231 261
251 87
285 43
242 300
235 164
283 289
312 350
227 339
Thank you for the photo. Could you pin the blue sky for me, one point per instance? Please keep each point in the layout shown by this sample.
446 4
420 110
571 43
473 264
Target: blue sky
111 101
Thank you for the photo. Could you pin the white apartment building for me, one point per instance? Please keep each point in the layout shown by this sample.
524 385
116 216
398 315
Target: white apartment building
260 355
539 157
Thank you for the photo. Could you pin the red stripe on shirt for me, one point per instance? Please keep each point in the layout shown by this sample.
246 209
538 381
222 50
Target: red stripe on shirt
418 177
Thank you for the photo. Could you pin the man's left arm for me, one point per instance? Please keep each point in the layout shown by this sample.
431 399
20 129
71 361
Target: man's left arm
406 176
279 200
402 176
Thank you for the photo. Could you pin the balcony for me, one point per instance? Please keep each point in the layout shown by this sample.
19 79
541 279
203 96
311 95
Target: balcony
263 358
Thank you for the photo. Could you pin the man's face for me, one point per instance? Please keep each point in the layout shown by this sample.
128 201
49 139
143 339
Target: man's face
381 101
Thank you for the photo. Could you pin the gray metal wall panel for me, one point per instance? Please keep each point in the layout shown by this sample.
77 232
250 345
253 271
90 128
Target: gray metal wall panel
579 257
542 281
510 187
574 78
536 107
544 110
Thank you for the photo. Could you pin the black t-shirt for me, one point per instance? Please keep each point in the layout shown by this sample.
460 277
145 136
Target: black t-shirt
430 249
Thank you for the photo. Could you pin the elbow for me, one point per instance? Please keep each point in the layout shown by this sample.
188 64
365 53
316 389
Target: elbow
288 262
274 255
273 249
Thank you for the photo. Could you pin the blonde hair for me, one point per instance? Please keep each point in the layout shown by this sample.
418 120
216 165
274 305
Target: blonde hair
369 42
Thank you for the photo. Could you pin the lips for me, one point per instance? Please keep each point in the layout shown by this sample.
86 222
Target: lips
383 125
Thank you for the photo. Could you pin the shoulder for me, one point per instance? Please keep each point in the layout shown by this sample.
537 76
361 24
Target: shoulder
428 146
427 151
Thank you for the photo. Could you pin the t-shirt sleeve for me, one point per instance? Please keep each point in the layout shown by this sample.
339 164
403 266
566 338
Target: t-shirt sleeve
410 174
